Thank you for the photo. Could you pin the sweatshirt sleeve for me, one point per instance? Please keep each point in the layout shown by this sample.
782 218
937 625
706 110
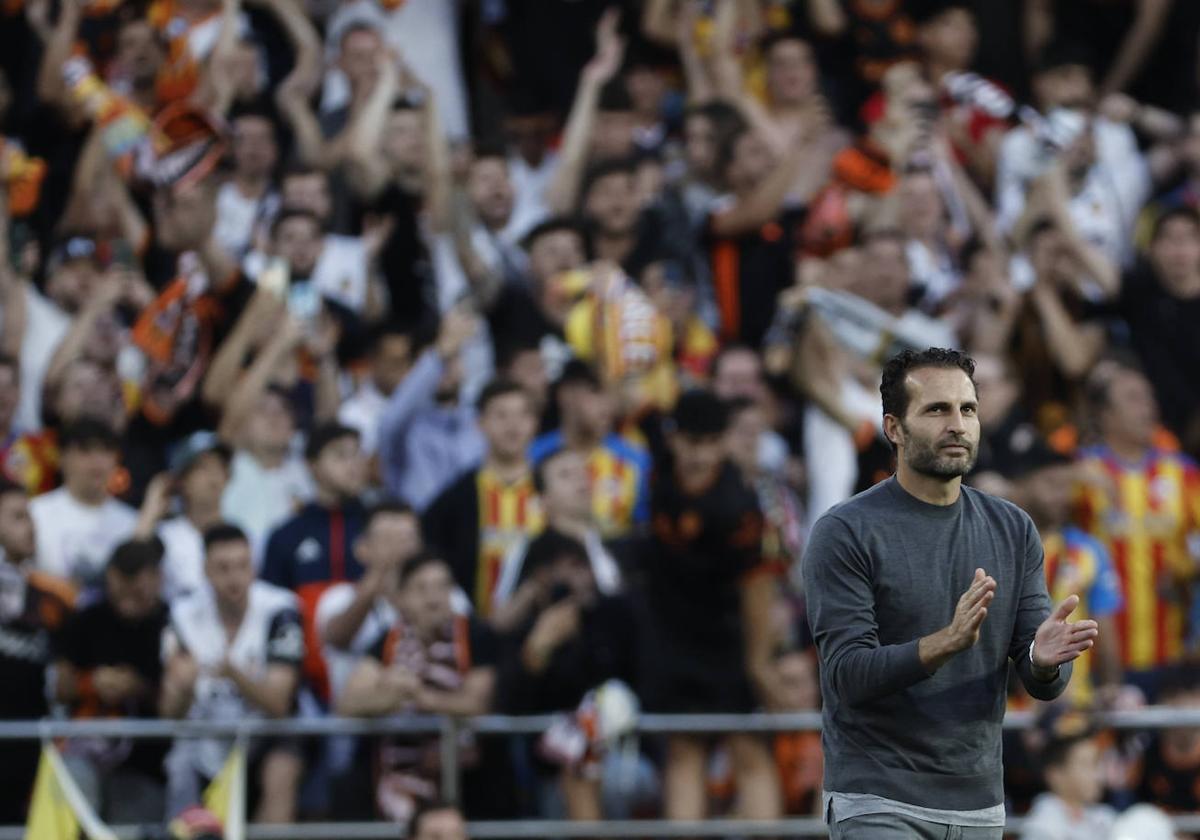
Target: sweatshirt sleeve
841 612
1032 609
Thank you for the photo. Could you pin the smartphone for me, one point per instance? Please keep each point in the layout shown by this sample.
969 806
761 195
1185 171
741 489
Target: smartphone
304 302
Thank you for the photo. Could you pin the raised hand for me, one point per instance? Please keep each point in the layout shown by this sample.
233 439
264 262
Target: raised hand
971 611
1059 641
610 49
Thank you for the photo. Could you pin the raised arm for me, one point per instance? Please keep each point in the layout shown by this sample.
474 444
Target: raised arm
254 383
261 315
50 87
563 192
697 77
12 290
1149 18
216 89
368 169
438 178
763 204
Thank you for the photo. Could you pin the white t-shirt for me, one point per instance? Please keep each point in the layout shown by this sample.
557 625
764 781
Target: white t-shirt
529 193
75 540
258 500
1051 819
362 412
341 272
239 217
340 662
183 562
45 327
270 632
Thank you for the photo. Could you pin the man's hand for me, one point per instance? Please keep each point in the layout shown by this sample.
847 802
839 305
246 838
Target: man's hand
458 325
554 626
1059 641
401 685
116 683
963 631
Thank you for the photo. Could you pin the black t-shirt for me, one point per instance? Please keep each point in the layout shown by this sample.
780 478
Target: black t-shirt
96 636
33 609
1165 332
701 549
748 273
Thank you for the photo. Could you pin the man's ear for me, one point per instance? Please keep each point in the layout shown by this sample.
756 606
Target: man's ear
891 429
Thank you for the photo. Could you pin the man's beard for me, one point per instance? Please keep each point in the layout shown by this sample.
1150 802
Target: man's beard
929 459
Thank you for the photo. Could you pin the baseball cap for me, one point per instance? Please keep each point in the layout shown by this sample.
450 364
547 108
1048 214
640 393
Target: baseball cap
187 452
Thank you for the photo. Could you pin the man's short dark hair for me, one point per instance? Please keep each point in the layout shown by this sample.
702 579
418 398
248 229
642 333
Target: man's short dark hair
699 414
773 39
89 433
893 390
289 213
223 532
614 97
727 350
387 507
424 557
539 468
507 352
1185 213
133 556
384 330
496 389
555 224
8 486
485 150
324 435
423 810
604 169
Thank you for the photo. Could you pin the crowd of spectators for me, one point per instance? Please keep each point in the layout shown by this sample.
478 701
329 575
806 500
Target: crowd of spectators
377 357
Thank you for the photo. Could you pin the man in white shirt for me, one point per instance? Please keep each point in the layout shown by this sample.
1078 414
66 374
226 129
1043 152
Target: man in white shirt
80 523
248 200
199 474
1074 774
389 357
232 651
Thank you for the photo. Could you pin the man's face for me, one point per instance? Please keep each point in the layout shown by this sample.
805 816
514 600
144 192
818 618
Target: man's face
1080 778
204 482
424 599
71 285
700 145
404 139
1068 86
88 468
135 596
1132 410
752 162
568 489
791 72
390 362
491 191
310 192
997 390
10 395
360 59
950 39
341 469
745 431
1048 493
508 425
17 536
1176 252
554 253
391 537
442 825
884 279
612 135
612 203
798 679
85 390
588 409
230 572
139 54
739 374
646 87
939 434
298 240
697 460
271 425
255 152
184 215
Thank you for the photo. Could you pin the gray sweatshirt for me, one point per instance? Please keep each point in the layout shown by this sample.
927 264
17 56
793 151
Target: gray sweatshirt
884 569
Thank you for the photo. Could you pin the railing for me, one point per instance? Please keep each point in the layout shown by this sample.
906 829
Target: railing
447 730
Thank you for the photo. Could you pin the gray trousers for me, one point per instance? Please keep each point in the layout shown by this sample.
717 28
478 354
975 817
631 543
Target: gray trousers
901 827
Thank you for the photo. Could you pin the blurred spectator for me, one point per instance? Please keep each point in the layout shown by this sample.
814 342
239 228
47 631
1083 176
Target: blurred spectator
486 511
1071 767
1171 762
79 524
108 665
437 821
426 436
706 646
1143 504
1075 564
575 636
563 484
199 475
33 608
428 660
1160 301
349 616
618 469
798 754
316 548
248 199
233 651
390 350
